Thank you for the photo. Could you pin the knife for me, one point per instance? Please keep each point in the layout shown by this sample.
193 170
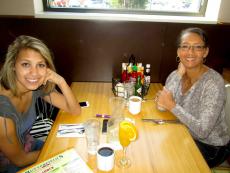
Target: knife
160 121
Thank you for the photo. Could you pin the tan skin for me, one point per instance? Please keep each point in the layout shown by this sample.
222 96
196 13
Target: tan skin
31 72
191 68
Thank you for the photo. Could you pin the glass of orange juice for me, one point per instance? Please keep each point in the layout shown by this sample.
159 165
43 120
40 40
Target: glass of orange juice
127 134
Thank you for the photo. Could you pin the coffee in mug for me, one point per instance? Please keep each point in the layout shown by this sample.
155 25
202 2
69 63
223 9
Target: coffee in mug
105 158
135 104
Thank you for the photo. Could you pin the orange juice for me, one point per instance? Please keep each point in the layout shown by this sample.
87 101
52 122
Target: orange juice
127 133
124 140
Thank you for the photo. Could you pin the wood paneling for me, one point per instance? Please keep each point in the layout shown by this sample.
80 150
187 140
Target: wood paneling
86 50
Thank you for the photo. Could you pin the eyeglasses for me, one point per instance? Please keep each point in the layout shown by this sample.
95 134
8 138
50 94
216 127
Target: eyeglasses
193 47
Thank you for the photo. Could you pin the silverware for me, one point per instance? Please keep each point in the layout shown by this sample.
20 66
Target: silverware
71 128
160 121
65 131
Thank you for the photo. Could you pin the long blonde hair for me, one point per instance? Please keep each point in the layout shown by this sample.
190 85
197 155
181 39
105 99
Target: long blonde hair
7 73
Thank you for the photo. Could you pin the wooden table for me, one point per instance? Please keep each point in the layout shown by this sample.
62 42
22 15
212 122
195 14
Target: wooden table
158 149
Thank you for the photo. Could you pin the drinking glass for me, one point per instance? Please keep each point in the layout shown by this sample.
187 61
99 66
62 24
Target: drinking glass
129 89
127 133
117 105
92 131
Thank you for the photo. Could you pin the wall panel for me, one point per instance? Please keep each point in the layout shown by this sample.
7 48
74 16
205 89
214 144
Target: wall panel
87 50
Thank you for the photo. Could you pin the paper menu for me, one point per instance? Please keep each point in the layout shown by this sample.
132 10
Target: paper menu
66 162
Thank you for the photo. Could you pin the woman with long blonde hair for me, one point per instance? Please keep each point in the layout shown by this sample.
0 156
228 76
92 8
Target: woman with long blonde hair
27 74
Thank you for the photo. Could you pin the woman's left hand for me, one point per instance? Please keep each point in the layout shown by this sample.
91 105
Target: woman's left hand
53 77
165 99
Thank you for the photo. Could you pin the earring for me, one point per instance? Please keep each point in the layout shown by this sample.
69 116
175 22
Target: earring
204 59
177 59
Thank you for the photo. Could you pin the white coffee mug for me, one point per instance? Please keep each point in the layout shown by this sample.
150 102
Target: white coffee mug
135 104
105 158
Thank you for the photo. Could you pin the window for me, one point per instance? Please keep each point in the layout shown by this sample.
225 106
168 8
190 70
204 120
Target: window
181 11
161 7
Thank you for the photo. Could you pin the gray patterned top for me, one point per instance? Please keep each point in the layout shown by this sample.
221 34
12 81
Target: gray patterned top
201 108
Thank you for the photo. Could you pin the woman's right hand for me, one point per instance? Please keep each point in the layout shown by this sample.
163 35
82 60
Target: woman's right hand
165 99
181 69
